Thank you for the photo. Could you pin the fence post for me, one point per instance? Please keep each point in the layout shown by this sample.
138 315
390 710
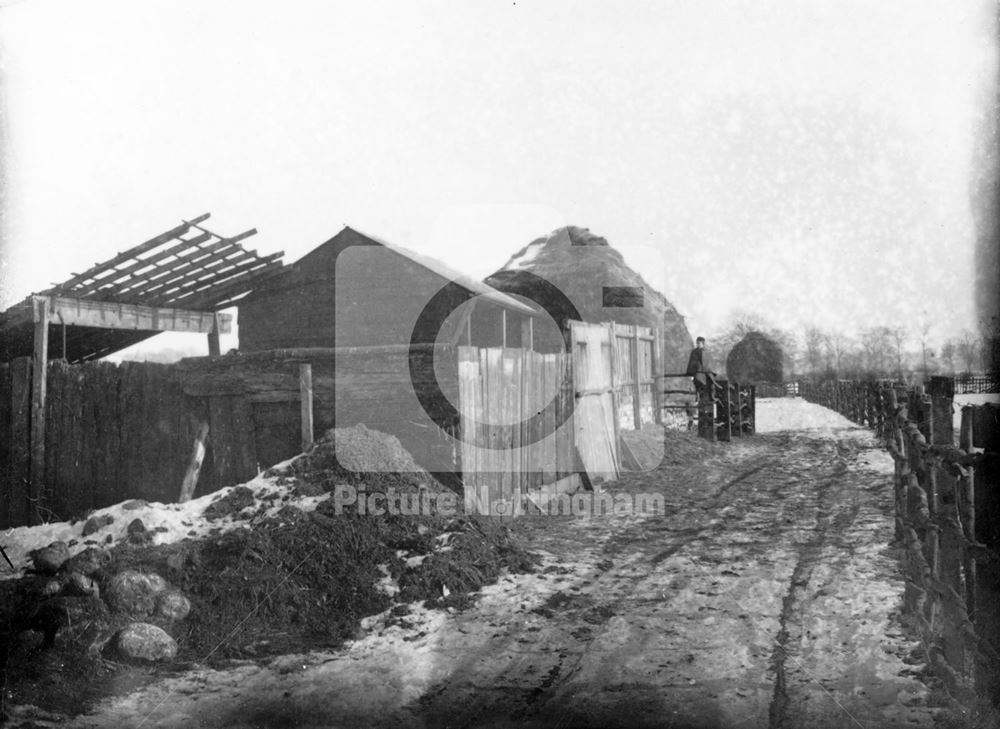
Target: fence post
965 434
657 371
39 374
306 404
636 378
942 391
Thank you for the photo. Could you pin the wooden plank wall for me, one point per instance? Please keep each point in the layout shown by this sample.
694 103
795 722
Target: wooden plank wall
114 432
505 451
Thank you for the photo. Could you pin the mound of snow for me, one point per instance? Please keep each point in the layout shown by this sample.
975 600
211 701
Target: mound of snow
794 413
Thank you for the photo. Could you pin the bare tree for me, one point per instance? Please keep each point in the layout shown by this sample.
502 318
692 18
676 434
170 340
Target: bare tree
897 335
814 350
876 345
837 345
948 351
966 349
925 330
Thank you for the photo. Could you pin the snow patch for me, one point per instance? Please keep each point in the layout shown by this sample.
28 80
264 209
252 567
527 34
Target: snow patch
168 523
530 254
794 413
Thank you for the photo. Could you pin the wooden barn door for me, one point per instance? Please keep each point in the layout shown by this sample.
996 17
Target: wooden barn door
505 451
595 416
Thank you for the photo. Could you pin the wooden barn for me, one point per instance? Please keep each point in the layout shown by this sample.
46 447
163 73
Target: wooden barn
356 290
380 327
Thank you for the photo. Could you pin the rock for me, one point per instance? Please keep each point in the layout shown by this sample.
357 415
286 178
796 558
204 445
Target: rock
84 622
88 561
48 560
134 593
81 585
96 523
172 605
145 642
136 532
135 527
235 501
289 513
135 504
52 588
308 488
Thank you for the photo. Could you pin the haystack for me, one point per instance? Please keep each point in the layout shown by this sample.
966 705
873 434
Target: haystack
755 358
594 277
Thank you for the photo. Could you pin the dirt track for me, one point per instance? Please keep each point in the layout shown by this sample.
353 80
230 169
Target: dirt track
765 596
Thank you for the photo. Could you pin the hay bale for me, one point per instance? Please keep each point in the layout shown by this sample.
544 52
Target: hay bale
755 358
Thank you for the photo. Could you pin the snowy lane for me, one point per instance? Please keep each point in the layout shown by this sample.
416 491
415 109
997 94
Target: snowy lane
765 596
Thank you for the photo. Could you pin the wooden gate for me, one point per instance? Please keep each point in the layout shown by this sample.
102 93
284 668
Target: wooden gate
632 373
516 410
596 425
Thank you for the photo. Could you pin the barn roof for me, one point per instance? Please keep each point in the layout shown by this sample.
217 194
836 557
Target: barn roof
467 282
187 268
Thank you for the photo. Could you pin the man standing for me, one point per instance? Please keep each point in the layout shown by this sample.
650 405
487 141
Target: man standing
697 367
704 381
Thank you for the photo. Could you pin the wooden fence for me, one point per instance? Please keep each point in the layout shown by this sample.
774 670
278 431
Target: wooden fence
975 384
517 427
947 515
115 432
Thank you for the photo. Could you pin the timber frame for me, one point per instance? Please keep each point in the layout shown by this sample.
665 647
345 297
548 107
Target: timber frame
176 281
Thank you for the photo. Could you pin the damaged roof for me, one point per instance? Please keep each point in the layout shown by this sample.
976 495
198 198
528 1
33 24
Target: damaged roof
187 267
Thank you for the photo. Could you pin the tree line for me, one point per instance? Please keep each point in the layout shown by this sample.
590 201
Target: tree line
906 353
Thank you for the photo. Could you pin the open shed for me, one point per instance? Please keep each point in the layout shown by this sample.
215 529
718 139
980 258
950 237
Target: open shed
106 428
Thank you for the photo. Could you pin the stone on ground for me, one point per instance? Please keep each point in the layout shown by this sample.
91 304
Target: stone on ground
142 641
134 593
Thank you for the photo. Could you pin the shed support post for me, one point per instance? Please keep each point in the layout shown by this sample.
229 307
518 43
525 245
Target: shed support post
306 400
39 373
503 328
214 347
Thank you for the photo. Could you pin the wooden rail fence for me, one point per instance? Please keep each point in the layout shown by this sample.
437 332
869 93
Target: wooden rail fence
947 518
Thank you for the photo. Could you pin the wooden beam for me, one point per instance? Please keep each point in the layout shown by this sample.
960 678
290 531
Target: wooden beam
132 253
190 268
220 277
306 404
39 374
114 283
194 251
226 292
109 315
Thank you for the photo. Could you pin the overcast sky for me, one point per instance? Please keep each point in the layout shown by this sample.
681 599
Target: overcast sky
807 161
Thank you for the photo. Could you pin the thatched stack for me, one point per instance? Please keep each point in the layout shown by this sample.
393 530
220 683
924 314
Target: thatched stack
755 358
581 265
